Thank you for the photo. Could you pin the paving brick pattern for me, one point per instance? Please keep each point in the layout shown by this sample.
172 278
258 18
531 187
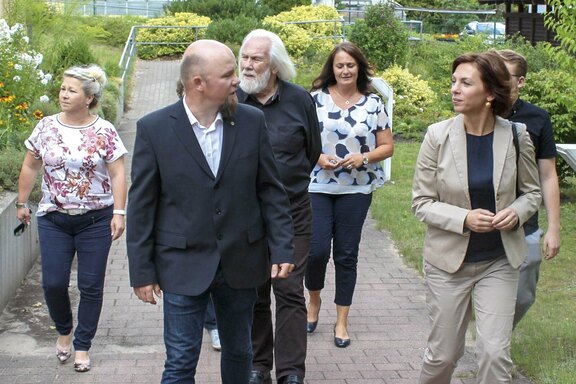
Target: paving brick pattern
388 324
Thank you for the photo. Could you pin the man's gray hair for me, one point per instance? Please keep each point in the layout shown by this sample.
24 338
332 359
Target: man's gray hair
279 57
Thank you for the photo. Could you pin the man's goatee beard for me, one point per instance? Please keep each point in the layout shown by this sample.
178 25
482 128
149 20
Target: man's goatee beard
228 109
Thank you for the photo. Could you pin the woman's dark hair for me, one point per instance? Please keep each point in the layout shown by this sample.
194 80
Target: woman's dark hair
494 75
327 78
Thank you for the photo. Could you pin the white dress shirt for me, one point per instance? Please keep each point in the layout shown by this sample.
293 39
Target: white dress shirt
209 138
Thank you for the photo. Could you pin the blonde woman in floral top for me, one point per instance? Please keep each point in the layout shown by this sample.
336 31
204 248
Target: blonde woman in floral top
82 207
356 137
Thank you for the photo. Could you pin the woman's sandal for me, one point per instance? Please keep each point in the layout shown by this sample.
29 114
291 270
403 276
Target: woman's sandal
82 365
63 353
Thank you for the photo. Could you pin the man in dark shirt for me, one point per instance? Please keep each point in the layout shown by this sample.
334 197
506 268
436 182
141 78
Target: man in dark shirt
265 69
539 126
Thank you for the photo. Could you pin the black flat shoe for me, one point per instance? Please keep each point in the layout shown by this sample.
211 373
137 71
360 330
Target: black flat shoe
311 326
340 343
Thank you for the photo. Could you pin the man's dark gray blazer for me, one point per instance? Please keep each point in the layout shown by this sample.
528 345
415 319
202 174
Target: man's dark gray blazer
183 221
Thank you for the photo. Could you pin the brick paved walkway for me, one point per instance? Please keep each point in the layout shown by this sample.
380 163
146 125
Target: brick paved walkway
388 324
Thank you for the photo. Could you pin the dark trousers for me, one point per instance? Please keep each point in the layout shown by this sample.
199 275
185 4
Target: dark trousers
183 325
62 237
337 220
288 343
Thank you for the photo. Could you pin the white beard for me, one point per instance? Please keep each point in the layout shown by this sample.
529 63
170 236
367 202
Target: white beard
255 85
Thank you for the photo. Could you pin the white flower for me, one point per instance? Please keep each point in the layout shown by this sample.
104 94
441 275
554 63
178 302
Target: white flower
16 28
44 81
16 78
44 99
26 39
48 77
18 67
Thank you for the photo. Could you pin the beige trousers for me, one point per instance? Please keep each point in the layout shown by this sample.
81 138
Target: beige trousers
490 288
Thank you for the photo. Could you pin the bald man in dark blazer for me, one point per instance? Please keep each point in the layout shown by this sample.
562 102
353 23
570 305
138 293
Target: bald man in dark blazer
207 214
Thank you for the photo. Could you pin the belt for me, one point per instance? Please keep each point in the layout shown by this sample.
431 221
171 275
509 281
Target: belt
74 212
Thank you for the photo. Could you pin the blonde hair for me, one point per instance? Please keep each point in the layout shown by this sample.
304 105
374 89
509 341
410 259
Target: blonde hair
93 79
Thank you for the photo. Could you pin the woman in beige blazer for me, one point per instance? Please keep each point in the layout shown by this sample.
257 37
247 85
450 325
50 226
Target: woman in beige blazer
474 194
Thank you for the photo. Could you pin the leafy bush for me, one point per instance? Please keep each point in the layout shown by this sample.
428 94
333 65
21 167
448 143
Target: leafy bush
381 37
230 31
218 9
553 90
22 83
413 99
182 36
112 31
278 6
73 53
10 165
309 38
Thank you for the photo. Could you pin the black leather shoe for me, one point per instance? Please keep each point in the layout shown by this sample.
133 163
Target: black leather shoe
311 326
258 377
291 379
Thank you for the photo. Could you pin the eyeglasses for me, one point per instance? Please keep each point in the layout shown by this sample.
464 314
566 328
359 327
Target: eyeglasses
19 230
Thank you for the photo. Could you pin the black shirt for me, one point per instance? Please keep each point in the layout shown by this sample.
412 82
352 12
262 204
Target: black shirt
539 127
480 155
294 134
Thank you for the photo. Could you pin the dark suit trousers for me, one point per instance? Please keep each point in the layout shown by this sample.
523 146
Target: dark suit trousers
289 343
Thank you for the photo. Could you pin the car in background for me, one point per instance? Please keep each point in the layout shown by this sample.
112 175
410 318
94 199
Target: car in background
494 31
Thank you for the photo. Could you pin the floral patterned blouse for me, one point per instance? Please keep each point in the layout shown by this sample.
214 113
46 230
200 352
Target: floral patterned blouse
74 159
347 131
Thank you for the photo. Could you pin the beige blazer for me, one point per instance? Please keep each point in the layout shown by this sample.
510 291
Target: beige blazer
440 196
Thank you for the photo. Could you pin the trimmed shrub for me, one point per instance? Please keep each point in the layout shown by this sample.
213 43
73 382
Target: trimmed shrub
413 101
306 39
176 39
232 32
218 9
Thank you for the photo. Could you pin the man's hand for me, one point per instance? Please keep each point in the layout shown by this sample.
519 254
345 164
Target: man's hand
551 245
281 271
146 293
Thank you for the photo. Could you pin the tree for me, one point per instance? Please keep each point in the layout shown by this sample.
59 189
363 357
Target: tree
562 20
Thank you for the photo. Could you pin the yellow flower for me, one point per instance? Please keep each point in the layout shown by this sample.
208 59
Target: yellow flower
1 84
22 106
38 115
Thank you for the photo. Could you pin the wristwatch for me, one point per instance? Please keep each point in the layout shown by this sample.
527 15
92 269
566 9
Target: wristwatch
21 205
365 160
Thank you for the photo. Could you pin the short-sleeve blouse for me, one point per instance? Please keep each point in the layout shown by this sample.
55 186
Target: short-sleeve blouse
74 159
344 132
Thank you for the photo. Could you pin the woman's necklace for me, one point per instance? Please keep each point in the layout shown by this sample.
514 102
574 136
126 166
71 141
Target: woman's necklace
346 99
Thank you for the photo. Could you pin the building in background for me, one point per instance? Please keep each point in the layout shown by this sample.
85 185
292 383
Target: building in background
526 18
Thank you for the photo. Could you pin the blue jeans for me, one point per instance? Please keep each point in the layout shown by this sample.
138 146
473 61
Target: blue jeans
183 324
62 237
210 317
338 220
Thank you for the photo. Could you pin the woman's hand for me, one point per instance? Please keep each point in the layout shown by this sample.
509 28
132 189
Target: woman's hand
505 220
352 161
479 220
24 215
329 162
117 226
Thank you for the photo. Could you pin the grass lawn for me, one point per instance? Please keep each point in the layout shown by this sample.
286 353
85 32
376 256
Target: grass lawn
544 343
